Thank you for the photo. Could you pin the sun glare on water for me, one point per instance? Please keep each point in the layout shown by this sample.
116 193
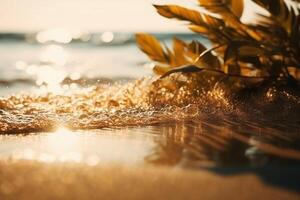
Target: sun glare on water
49 71
66 143
91 148
63 146
54 35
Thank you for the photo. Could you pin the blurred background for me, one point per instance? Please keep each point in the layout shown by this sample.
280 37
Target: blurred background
50 43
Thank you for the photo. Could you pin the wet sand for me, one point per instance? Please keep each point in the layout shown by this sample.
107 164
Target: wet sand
34 180
153 162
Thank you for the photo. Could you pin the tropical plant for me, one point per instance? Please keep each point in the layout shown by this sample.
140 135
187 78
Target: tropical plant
268 48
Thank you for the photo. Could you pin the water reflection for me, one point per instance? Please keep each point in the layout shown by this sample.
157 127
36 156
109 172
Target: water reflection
107 37
125 146
54 35
49 72
223 143
209 143
54 54
64 141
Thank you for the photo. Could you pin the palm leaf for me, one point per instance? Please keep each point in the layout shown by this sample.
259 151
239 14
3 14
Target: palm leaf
183 69
236 6
161 70
152 47
281 13
181 13
269 47
208 60
202 20
179 49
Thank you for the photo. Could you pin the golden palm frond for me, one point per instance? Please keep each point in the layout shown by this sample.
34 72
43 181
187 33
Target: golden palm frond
182 54
151 46
270 47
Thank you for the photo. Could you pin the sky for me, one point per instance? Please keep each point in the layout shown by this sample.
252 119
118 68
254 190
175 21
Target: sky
88 15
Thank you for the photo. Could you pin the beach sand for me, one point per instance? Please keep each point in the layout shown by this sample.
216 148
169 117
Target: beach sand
36 180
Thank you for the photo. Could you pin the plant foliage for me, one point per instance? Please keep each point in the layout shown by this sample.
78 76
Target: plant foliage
267 48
